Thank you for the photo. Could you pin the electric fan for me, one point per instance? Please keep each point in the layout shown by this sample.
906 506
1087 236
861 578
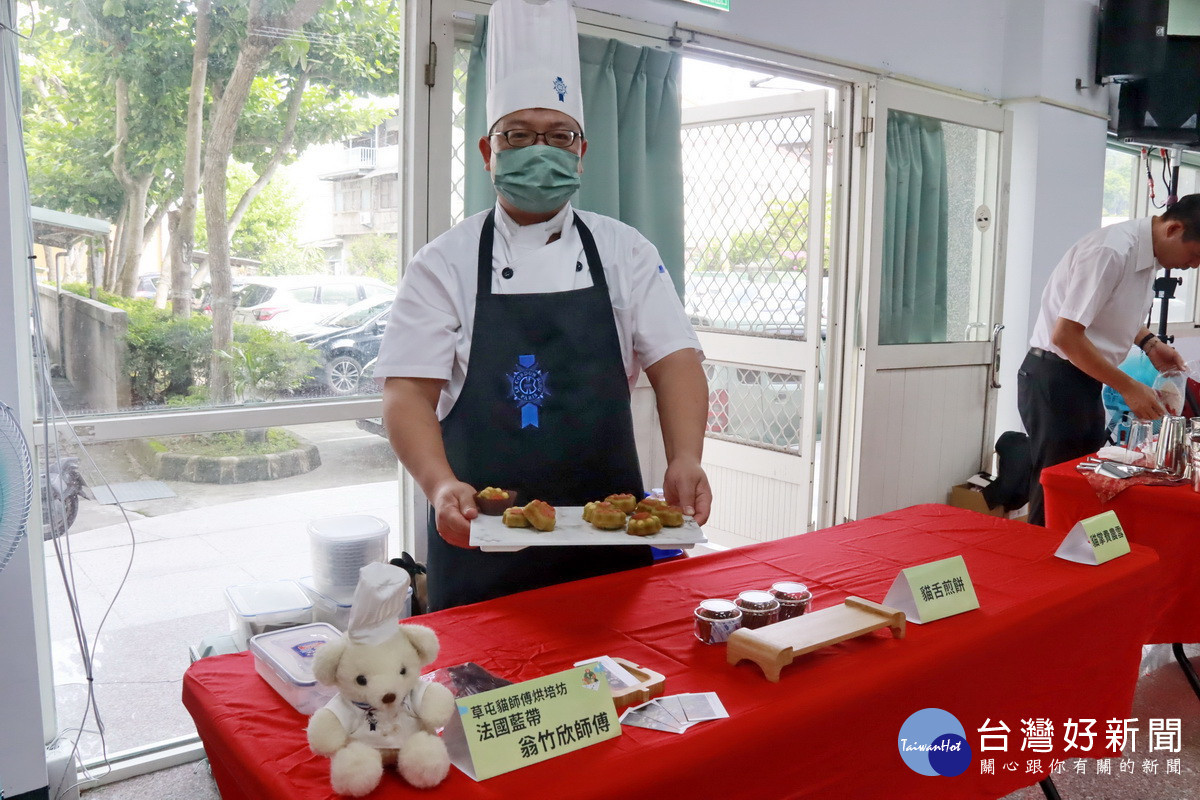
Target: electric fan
16 485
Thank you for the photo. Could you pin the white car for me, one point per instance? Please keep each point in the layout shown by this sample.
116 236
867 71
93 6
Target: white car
293 303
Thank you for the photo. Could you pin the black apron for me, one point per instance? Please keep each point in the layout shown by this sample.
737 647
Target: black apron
544 411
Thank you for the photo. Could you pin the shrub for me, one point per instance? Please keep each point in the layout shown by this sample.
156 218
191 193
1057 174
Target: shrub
267 363
169 357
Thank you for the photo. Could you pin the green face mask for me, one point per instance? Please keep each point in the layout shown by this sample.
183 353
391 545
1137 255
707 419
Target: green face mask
538 178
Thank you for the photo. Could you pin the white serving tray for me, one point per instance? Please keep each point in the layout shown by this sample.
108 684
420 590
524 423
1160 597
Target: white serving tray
490 534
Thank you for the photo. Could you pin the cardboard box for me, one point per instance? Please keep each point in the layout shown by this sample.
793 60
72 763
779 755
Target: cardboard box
966 496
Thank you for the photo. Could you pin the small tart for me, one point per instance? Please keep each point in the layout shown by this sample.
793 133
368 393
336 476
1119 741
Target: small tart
625 502
540 515
588 508
493 501
669 516
643 523
607 517
514 517
650 504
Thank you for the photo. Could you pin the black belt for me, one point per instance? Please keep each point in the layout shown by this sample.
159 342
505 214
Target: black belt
1038 352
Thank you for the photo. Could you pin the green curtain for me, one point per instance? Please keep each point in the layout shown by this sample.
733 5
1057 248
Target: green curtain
633 169
913 294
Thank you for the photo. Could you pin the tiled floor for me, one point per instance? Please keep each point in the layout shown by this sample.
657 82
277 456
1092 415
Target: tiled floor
172 596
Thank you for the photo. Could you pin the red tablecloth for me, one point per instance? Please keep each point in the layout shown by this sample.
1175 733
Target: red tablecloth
1052 640
1164 518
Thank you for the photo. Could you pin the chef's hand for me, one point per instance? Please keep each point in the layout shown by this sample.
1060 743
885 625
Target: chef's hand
1143 401
454 504
685 485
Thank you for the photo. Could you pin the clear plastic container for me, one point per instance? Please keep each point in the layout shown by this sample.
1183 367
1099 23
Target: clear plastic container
758 608
336 609
256 608
284 659
333 609
715 620
341 546
793 598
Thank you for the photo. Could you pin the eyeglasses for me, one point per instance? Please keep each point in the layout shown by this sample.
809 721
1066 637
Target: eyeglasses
524 138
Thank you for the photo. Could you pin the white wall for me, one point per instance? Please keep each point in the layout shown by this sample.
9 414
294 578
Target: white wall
952 42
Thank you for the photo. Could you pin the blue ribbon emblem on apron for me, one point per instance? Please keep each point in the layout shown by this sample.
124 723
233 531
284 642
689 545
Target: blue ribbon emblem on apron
528 389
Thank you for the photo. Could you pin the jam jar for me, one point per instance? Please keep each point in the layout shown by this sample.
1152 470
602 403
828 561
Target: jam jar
758 608
793 598
715 620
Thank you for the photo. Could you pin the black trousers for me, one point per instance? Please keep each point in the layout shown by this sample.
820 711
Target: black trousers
1063 414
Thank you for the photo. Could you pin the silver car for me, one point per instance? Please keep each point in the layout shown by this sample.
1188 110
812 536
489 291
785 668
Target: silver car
294 303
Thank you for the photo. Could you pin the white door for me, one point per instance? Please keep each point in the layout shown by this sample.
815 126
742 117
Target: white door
754 201
931 275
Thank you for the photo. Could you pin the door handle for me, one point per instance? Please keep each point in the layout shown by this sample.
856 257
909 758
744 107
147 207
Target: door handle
996 331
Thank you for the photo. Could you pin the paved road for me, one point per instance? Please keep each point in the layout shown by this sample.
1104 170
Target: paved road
348 456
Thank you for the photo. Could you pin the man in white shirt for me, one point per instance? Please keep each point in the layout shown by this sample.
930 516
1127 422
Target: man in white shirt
516 336
1093 309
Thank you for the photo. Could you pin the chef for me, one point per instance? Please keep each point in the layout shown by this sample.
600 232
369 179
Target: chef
516 336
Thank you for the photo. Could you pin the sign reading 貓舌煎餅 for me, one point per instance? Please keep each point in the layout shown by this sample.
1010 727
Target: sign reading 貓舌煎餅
719 5
1095 540
933 591
514 726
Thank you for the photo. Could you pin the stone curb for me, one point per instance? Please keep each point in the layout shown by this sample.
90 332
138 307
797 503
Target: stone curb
231 469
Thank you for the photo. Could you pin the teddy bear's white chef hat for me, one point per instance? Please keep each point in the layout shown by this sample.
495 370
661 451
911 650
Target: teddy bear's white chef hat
378 603
532 58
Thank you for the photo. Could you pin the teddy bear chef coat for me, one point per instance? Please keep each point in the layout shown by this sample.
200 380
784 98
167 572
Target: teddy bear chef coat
544 410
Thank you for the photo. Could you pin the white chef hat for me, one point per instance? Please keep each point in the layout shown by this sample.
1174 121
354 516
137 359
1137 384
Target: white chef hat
378 603
532 58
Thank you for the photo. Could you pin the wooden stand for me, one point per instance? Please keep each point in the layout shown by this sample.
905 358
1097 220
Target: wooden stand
773 647
651 685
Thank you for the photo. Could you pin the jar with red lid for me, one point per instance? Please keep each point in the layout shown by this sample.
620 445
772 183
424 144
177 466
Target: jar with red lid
758 608
793 598
715 620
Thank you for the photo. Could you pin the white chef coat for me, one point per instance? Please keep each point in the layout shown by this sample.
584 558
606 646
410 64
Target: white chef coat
429 328
1104 283
394 724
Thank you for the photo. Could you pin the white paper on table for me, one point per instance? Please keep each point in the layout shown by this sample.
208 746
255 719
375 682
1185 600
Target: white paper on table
701 707
651 715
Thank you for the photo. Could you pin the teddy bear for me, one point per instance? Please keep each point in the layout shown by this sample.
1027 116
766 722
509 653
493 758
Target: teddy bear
383 712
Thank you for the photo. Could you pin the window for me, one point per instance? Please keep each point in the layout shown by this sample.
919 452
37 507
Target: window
341 294
1130 175
385 191
349 197
151 381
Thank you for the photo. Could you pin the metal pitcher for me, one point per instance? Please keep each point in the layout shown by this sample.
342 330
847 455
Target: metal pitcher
1171 452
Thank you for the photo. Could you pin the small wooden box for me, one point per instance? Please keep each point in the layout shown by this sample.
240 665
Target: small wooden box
650 685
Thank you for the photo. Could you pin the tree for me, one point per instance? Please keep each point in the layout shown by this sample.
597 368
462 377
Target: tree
184 89
374 255
110 98
1118 183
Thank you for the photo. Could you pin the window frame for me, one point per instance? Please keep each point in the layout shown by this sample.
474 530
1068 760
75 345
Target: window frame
1140 206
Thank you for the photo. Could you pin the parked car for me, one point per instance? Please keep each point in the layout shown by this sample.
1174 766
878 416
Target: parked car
294 303
348 342
147 287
